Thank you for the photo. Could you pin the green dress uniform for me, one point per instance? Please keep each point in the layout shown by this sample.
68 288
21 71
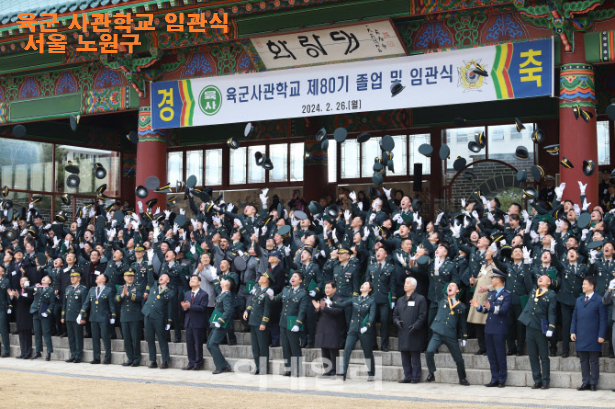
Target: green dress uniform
259 313
224 311
383 280
294 307
41 308
346 279
310 272
101 306
363 313
131 319
5 306
234 280
448 326
74 298
157 313
540 311
570 280
439 279
142 270
175 271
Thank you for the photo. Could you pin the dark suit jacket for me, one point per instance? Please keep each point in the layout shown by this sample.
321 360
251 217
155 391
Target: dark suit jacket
195 316
22 310
331 321
411 315
589 322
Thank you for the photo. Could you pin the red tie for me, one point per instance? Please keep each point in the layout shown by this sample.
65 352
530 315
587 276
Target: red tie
192 299
586 299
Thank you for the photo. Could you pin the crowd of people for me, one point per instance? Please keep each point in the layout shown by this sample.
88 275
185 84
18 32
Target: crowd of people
318 275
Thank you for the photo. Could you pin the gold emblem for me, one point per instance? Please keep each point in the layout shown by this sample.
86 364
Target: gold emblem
535 299
157 297
96 303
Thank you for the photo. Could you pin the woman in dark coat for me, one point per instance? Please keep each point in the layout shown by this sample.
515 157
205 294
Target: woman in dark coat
21 302
331 323
410 315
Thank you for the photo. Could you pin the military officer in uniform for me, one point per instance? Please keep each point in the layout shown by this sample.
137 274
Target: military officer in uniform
101 306
539 317
604 271
158 318
220 319
570 280
257 314
346 277
143 270
294 306
176 272
497 308
362 324
448 325
233 279
74 298
382 276
41 308
310 272
129 297
5 310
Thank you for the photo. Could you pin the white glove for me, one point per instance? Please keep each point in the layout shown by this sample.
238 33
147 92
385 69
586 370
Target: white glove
175 228
8 311
439 218
558 225
240 252
56 241
16 225
526 216
287 251
324 231
372 217
585 204
392 304
167 214
78 319
136 216
552 248
126 220
92 212
612 285
265 191
549 334
347 215
157 210
269 292
44 314
493 247
140 204
193 222
26 284
463 343
156 234
193 249
365 233
376 231
490 218
334 235
97 273
593 254
398 219
577 210
112 321
400 258
182 211
238 223
456 228
419 220
31 205
264 230
527 254
295 329
312 293
216 220
113 223
81 245
559 191
177 249
155 224
387 192
352 196
263 199
110 234
582 187
294 221
363 330
584 233
253 291
135 225
534 235
168 327
360 206
150 256
463 203
475 215
108 216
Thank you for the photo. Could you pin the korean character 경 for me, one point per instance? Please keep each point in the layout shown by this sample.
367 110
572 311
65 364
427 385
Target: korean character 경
108 43
172 18
216 23
444 74
395 76
26 20
231 94
89 45
83 26
362 82
376 80
268 90
56 43
281 88
416 75
47 25
196 22
145 23
431 72
100 23
243 94
123 21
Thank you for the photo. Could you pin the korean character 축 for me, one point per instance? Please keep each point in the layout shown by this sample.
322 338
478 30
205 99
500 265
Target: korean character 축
431 72
376 78
172 18
416 74
362 82
447 74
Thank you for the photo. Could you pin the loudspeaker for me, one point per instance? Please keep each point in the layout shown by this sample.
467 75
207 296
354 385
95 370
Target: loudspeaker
418 177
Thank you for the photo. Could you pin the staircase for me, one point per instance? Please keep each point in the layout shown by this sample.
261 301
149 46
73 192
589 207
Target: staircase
565 372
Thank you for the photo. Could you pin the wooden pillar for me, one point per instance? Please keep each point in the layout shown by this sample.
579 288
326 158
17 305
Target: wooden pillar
315 164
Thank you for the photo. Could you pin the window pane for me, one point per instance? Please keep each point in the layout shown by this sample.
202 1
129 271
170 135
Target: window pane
332 157
604 146
400 155
256 174
213 166
175 167
459 147
415 157
503 141
371 150
238 166
350 159
26 165
296 161
279 158
194 166
86 159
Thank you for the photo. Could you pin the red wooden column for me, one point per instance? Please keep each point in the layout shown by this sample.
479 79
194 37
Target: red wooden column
151 156
578 139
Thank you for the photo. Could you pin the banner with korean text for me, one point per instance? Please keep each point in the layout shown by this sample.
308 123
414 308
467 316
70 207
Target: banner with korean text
505 71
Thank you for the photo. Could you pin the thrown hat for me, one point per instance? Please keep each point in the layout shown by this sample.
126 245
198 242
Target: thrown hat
459 163
445 152
530 192
5 191
537 173
552 150
588 167
73 181
340 134
519 125
474 146
232 143
300 215
141 192
538 136
479 137
151 203
377 179
321 135
396 88
99 171
133 137
324 145
363 137
417 204
248 130
284 231
521 153
469 175
268 165
74 121
566 163
522 176
19 131
387 143
426 150
71 168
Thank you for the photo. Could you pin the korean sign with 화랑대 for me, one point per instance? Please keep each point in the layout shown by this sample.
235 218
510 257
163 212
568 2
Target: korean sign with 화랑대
504 71
340 43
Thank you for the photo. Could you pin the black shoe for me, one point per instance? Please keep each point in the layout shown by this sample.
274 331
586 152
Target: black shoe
188 368
592 388
177 340
274 345
565 355
37 355
583 387
227 369
95 362
256 372
545 385
344 377
127 364
414 381
106 362
430 378
611 355
5 355
153 364
198 368
62 335
519 353
464 382
479 352
502 385
19 357
165 365
70 360
537 385
385 349
404 381
287 373
135 364
371 378
553 353
511 353
492 384
77 361
48 357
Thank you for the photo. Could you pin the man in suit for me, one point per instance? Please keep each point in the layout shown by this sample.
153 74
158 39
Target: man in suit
220 319
497 307
258 316
410 316
195 322
101 302
604 271
129 297
158 312
331 323
588 330
74 297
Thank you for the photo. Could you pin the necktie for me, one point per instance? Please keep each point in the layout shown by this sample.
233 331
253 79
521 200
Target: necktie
607 263
97 292
192 298
586 299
